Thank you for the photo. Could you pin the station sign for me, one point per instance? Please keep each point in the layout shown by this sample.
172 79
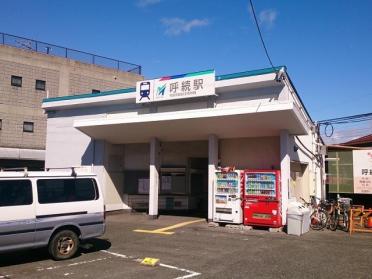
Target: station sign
189 85
362 169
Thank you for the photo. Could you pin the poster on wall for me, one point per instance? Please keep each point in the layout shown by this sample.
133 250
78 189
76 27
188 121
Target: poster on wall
166 183
197 84
143 185
362 168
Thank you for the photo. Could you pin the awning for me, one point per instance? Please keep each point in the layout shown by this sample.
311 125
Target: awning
252 121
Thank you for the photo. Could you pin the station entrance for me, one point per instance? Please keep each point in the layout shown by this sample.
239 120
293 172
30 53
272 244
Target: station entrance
183 178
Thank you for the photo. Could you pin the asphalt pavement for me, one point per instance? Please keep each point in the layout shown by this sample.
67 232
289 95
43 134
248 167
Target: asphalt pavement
190 248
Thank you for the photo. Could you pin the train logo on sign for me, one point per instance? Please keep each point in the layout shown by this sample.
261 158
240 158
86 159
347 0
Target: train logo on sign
145 90
191 85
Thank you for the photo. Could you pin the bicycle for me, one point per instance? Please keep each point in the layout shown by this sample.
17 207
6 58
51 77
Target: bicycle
331 221
340 217
319 216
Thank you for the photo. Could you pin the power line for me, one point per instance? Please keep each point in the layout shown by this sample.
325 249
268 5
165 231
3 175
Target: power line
259 32
328 123
354 131
349 135
348 119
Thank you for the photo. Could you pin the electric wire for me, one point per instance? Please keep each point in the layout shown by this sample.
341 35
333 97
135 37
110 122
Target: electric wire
351 132
346 135
261 37
272 65
332 130
348 119
308 150
328 123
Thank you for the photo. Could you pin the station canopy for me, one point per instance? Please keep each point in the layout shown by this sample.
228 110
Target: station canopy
195 125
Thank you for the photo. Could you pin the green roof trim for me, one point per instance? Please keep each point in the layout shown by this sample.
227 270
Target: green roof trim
251 73
206 72
132 90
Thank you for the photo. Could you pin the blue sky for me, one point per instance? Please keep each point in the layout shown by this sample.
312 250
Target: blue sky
326 45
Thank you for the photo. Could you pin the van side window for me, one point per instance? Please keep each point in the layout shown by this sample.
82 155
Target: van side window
66 190
15 192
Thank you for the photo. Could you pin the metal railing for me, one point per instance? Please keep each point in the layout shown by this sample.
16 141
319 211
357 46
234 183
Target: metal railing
81 56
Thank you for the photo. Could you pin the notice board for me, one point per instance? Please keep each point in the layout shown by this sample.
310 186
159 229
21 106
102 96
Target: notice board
362 170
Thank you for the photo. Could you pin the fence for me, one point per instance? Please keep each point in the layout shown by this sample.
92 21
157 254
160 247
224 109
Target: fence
54 50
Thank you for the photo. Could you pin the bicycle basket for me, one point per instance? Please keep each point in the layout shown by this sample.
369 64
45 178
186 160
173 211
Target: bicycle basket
346 201
345 206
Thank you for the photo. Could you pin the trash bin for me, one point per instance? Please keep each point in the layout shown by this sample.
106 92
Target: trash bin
298 219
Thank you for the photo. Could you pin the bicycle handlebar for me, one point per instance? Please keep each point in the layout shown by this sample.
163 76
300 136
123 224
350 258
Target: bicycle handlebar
305 202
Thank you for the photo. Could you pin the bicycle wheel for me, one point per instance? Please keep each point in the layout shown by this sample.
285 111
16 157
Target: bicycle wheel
332 222
318 220
345 227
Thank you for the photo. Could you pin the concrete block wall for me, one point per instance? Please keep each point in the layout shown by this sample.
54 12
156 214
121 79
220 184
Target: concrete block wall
12 135
84 84
23 104
63 77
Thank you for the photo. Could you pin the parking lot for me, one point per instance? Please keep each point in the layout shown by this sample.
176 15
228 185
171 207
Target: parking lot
188 248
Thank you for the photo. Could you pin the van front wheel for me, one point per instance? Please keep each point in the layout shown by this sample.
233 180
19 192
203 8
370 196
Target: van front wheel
63 245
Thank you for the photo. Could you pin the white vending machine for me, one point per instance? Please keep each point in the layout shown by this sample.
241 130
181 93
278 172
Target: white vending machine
227 197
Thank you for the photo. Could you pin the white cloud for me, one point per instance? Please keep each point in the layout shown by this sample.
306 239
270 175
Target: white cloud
176 26
145 3
267 18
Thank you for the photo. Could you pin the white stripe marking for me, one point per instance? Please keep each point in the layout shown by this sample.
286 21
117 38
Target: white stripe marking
72 264
117 254
189 275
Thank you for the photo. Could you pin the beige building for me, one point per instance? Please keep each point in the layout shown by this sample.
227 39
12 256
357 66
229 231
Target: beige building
31 71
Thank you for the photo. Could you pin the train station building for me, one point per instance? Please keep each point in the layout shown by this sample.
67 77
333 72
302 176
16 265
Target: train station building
156 147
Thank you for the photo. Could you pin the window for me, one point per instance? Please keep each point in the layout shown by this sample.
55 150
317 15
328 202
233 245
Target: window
28 127
16 81
40 85
15 192
66 190
95 91
1 124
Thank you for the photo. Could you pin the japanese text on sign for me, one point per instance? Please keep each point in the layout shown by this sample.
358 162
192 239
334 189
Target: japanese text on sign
362 168
176 87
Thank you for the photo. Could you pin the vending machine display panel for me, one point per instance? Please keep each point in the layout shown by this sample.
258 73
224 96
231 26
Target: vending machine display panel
227 197
262 198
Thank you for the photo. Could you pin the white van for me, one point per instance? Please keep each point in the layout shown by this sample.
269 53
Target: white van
53 208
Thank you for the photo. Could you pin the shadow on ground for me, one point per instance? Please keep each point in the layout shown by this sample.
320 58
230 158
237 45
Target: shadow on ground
41 254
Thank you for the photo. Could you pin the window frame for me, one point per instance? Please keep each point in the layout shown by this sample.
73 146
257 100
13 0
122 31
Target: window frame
94 184
13 78
28 123
42 82
30 202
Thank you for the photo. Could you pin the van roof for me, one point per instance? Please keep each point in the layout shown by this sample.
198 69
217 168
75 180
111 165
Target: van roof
60 173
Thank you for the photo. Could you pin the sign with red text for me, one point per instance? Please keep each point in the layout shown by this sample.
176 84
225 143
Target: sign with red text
362 168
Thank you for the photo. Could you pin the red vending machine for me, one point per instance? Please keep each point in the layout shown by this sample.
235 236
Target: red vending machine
262 198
